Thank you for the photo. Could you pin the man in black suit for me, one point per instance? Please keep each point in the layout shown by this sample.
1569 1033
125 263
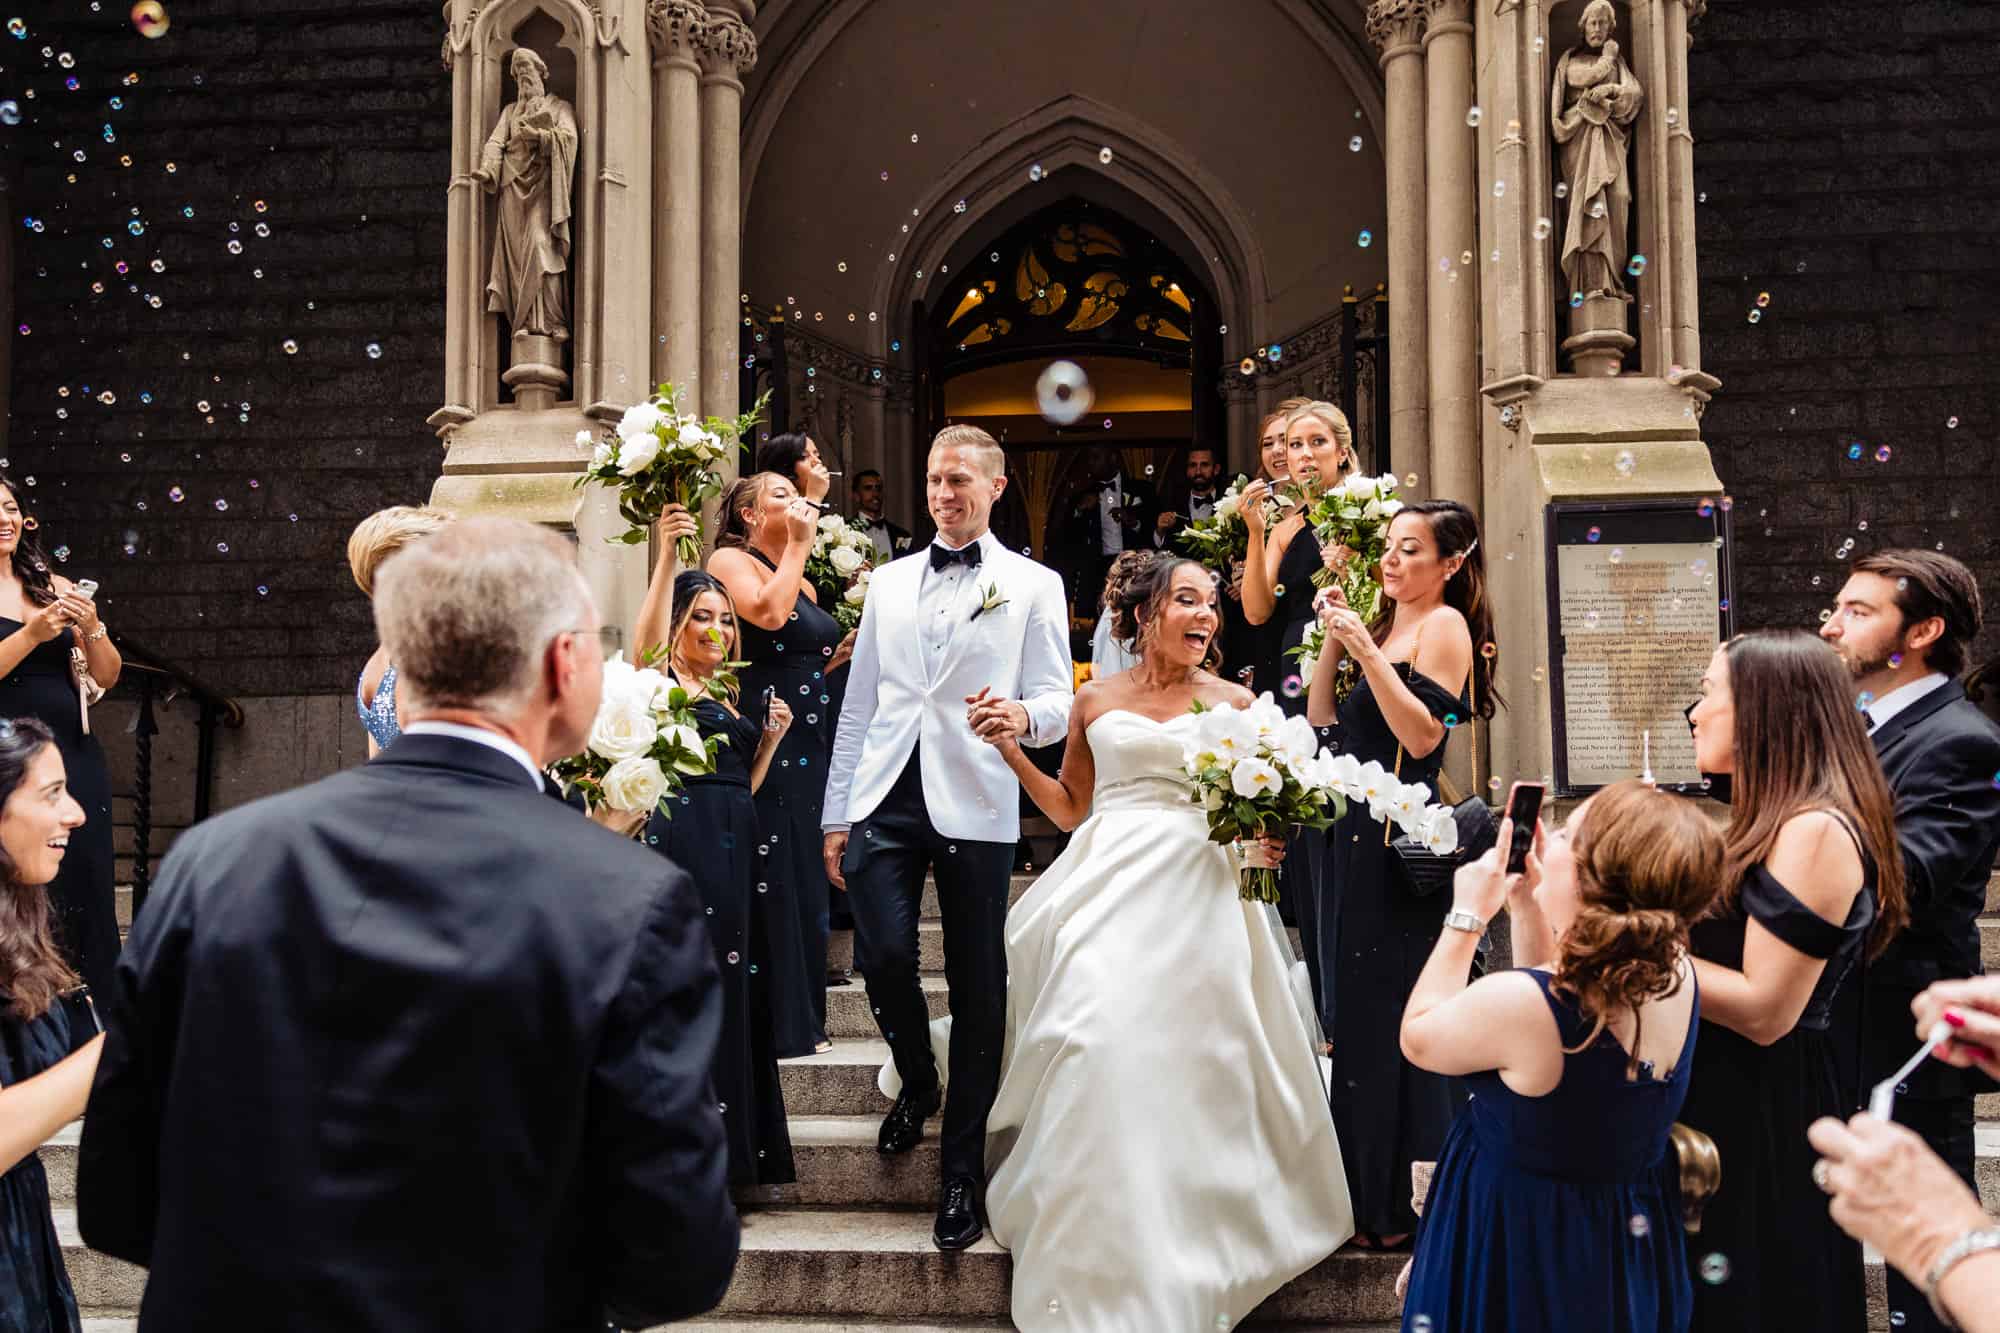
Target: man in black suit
1204 488
891 539
415 1047
1110 513
1903 622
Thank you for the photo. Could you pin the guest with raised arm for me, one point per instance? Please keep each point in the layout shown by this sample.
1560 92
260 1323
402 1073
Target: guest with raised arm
790 647
794 456
1278 569
1811 881
1420 677
1556 1201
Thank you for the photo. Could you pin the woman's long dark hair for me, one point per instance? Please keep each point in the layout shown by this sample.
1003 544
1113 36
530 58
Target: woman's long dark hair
1141 592
30 565
782 454
1801 745
1456 532
690 584
32 971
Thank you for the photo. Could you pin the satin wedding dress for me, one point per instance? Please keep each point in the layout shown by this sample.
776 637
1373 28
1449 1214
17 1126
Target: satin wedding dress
1160 1155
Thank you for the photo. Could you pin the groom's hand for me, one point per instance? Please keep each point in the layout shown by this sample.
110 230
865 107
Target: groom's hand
832 848
993 719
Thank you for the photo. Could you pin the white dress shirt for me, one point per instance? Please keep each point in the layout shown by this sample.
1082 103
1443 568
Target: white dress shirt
943 600
1198 507
492 740
1110 498
1896 700
877 530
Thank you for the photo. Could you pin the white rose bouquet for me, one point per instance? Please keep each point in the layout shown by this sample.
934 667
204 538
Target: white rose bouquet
659 456
643 744
1221 539
1356 514
848 609
842 557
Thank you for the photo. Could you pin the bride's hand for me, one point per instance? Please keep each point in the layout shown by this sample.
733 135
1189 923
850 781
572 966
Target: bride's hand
1265 853
995 721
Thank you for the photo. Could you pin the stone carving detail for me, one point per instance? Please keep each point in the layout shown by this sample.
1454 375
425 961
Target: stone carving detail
676 26
1396 22
728 44
1593 102
530 162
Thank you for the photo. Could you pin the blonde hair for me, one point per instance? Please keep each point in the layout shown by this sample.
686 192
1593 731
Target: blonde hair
984 450
467 615
732 530
385 532
1287 406
1334 420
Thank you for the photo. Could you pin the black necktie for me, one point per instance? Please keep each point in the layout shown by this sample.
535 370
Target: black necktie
942 559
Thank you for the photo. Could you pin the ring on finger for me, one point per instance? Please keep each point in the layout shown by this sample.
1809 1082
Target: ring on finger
1822 1175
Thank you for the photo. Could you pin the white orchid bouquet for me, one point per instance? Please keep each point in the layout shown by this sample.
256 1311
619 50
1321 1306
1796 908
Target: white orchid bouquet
841 555
660 456
1356 514
1258 772
643 745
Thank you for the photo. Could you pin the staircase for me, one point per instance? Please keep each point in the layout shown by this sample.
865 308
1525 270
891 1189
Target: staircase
847 1248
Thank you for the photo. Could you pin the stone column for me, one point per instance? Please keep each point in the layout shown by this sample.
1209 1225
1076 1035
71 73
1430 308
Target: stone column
677 27
1451 198
1396 27
727 50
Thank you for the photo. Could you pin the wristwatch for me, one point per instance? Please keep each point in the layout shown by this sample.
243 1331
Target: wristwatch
1465 921
1971 1243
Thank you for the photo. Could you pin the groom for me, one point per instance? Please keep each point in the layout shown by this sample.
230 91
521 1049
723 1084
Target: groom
942 630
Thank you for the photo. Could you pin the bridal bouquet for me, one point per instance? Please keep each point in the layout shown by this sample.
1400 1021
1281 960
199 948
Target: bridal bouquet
642 745
1258 772
1356 514
659 456
847 611
841 553
1221 539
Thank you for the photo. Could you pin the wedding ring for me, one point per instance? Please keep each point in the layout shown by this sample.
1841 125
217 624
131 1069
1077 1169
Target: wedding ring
1822 1174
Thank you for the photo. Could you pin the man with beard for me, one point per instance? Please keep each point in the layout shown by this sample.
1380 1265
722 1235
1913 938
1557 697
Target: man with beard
1903 622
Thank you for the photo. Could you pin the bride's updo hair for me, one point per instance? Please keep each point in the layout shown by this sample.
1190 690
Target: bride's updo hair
1138 594
1647 865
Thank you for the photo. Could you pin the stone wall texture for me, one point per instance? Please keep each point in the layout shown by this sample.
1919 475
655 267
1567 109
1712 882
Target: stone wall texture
1848 157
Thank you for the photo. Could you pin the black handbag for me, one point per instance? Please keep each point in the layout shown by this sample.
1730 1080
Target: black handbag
1422 873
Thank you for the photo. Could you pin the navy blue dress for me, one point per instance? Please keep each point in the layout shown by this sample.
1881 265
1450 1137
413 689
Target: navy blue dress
1788 1265
1559 1212
791 660
713 836
35 1295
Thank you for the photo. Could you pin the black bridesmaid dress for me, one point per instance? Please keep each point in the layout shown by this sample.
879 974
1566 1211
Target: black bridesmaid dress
35 1293
1374 940
791 661
1788 1265
82 893
713 836
1290 618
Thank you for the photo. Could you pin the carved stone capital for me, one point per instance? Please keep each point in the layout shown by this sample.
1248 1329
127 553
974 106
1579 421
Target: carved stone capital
727 45
1393 23
676 27
1447 16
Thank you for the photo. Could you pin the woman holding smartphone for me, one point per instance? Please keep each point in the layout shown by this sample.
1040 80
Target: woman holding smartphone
1416 663
43 619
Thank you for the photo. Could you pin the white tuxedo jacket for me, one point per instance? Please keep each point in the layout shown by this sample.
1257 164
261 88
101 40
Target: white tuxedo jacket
1019 650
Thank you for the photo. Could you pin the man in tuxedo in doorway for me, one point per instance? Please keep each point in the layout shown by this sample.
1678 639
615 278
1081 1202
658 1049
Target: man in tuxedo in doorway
912 790
890 539
1903 622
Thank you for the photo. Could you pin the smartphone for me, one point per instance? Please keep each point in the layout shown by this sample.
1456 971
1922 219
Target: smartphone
88 587
1524 807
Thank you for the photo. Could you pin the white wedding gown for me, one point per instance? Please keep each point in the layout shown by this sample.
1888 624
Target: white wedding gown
1160 1155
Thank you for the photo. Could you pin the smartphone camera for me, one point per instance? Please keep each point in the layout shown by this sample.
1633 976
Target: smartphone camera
1524 807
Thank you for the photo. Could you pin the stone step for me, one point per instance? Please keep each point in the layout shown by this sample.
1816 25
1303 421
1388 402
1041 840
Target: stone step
104 1286
930 948
836 1082
822 1263
848 1013
839 1167
1989 943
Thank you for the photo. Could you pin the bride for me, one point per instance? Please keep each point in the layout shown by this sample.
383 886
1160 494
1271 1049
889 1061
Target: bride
1160 1154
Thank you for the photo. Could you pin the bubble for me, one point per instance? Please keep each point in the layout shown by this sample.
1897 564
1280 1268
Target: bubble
291 347
1562 190
1489 650
1862 526
10 112
61 553
1105 155
1895 659
1410 480
1595 534
1292 687
18 28
1639 1226
1854 450
1617 554
1625 462
1763 300
1421 1323
1636 266
1824 615
1715 1269
149 17
263 229
1035 172
1861 702
221 506
1706 508
1365 239
1950 423
1277 352
235 247
1248 365
1722 605
841 266
1882 454
1278 591
1499 189
1590 619
222 548
176 494
1473 115
1897 1319
1055 1306
374 351
1063 393
1354 144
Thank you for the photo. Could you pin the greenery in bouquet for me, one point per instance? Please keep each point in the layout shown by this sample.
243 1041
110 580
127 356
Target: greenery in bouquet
841 555
1356 514
847 611
660 456
643 745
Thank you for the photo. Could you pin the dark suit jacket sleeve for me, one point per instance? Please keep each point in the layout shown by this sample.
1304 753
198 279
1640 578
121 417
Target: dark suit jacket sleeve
118 1167
1946 809
655 1139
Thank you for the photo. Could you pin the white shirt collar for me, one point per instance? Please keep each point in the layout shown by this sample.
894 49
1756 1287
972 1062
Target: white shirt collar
492 740
1896 700
985 541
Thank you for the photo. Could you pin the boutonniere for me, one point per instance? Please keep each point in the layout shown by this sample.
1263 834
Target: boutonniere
902 543
990 599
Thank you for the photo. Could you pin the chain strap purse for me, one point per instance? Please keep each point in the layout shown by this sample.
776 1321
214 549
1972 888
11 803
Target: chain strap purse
1417 870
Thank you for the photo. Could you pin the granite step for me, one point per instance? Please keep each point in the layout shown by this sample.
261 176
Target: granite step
836 1082
848 1013
930 948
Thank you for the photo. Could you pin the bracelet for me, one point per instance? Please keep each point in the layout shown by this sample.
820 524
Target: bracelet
1465 921
1971 1243
100 632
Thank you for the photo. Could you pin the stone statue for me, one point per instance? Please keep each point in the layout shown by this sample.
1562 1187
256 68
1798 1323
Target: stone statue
1594 102
530 160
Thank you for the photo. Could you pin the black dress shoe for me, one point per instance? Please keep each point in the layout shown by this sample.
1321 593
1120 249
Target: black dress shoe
903 1127
958 1219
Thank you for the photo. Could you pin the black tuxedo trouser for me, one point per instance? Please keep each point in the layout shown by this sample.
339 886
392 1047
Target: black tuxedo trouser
888 854
1946 1125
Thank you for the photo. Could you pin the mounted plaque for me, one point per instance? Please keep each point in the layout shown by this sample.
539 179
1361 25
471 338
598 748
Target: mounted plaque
1638 599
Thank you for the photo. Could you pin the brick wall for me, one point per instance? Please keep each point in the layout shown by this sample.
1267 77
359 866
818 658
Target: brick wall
336 115
1849 155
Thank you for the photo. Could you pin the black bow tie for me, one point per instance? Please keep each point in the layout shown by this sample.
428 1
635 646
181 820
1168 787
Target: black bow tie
1208 499
942 558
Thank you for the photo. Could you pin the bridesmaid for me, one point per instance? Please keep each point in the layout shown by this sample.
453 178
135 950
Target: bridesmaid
713 836
1415 662
1812 880
791 647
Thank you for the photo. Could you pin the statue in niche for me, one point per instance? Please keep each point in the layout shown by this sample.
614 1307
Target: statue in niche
530 161
1594 102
